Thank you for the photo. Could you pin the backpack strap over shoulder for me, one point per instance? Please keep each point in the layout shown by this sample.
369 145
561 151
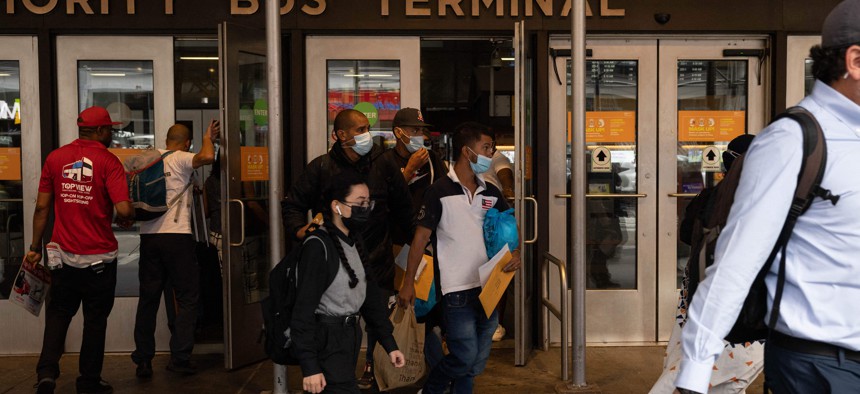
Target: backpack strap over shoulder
331 257
808 187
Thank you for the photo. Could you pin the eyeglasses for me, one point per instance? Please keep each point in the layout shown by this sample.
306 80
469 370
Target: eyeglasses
733 153
369 204
414 131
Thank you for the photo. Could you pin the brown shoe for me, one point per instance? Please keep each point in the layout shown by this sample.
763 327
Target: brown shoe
367 380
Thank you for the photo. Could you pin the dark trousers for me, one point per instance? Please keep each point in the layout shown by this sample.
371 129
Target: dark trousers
384 295
166 257
71 287
790 372
338 346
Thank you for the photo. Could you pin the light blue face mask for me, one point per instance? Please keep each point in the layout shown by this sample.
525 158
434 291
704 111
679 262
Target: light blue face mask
482 165
415 144
363 144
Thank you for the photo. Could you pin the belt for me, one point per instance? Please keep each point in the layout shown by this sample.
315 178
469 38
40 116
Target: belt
350 320
799 345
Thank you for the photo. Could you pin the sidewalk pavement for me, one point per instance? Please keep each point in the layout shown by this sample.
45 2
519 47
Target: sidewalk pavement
619 370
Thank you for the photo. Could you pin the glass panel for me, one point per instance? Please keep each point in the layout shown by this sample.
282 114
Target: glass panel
11 188
196 73
808 78
253 134
712 104
125 89
370 86
611 94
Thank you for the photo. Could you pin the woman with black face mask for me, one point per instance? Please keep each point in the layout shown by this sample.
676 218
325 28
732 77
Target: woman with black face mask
334 290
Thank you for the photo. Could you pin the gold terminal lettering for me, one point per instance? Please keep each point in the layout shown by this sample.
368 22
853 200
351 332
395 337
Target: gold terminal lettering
288 7
85 5
10 7
318 10
412 10
249 8
565 10
545 7
168 7
476 7
454 4
606 11
104 8
129 7
384 8
515 8
40 10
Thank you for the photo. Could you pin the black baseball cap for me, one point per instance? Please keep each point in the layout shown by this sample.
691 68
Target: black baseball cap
842 26
409 117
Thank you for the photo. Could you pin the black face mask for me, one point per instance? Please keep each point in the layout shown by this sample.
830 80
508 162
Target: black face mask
360 216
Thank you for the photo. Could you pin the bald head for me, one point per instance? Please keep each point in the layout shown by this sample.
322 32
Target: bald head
347 118
178 137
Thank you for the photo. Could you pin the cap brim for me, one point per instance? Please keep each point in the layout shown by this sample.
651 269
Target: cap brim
415 124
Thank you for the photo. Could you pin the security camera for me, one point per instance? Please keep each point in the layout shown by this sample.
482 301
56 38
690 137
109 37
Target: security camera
662 18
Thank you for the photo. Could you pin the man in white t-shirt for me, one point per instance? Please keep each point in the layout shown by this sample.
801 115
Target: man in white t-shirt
167 255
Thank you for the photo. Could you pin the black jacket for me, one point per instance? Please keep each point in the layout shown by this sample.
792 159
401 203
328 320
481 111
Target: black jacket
393 211
316 274
424 177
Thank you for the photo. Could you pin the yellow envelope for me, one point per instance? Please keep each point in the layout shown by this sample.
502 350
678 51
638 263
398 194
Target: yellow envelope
424 281
496 285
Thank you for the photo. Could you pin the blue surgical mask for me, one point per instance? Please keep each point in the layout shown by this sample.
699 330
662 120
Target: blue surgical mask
363 144
482 165
415 144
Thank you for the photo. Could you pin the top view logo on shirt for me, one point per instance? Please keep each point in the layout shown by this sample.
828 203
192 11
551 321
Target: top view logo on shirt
486 203
79 171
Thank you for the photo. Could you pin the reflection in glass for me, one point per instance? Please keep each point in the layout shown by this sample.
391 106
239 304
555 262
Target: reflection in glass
370 86
196 73
611 95
712 104
808 78
11 188
253 132
125 89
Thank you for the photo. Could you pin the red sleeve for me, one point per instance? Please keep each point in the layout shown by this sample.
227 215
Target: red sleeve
115 181
46 181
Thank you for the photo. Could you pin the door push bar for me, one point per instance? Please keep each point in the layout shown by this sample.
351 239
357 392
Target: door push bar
242 221
611 195
535 215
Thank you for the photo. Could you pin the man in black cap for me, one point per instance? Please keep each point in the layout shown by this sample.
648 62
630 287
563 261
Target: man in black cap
815 345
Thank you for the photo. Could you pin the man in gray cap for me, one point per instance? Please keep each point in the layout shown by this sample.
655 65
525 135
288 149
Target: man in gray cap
815 345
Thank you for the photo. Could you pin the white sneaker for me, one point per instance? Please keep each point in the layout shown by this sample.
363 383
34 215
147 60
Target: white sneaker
499 334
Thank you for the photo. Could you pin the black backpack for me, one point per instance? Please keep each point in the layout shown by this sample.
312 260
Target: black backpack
277 308
750 325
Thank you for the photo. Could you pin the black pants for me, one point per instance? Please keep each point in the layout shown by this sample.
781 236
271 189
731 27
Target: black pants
339 346
71 287
166 257
791 372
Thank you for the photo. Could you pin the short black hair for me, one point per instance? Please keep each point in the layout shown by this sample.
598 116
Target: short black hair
343 120
828 64
466 134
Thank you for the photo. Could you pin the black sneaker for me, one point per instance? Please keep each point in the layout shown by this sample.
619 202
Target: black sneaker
98 387
183 367
45 386
367 380
144 370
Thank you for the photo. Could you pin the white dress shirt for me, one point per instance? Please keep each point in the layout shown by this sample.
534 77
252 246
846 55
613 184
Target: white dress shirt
822 286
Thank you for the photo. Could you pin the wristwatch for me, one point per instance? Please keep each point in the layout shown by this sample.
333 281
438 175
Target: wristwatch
36 248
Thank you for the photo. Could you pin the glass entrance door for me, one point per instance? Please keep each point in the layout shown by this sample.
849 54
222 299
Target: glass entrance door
245 183
20 165
649 124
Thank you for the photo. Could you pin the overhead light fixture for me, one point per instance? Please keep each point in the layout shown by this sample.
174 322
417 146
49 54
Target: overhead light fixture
107 74
198 58
380 75
5 75
508 59
354 75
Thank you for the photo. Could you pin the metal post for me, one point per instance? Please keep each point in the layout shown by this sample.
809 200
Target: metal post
276 154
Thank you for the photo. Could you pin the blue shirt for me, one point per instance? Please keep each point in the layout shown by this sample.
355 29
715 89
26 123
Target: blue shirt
822 286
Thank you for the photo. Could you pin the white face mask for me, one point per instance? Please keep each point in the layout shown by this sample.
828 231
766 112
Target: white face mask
363 144
415 144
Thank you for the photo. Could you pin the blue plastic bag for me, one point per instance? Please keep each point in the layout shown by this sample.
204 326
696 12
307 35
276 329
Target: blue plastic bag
424 307
500 228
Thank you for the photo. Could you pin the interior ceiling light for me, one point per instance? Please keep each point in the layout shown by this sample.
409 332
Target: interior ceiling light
508 59
380 75
354 75
5 75
108 74
198 58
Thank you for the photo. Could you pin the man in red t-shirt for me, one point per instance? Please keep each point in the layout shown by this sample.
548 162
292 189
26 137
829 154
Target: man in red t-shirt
84 182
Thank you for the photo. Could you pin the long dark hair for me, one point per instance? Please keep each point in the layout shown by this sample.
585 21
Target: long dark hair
339 187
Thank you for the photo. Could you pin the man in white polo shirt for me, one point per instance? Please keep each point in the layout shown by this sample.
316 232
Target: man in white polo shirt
453 215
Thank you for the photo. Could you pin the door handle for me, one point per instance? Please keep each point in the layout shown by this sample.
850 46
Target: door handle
612 195
242 221
681 195
535 202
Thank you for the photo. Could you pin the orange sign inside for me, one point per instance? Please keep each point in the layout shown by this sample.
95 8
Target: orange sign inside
608 126
123 154
255 163
10 164
711 125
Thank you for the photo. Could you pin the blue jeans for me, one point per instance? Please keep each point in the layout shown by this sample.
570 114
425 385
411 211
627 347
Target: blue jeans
469 334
